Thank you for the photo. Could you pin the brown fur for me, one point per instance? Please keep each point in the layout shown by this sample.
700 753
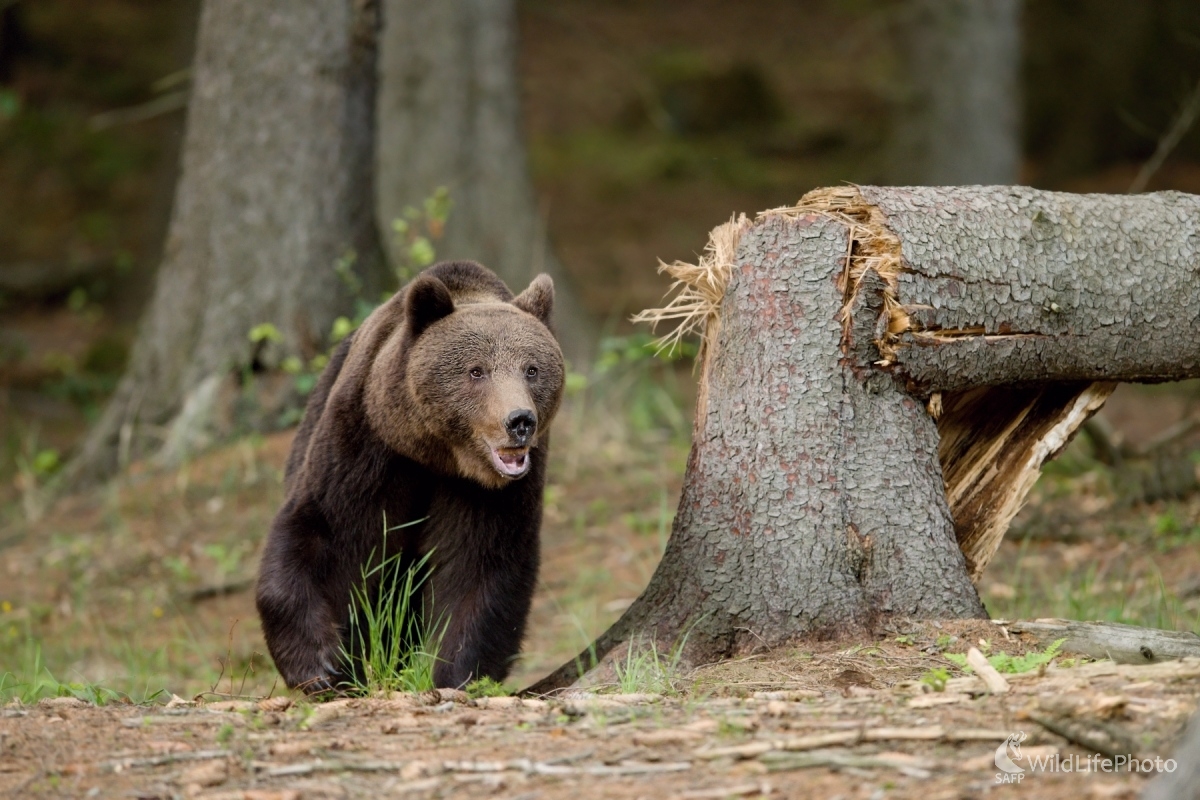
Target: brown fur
400 426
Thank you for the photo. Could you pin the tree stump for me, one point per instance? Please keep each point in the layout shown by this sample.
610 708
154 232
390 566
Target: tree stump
884 372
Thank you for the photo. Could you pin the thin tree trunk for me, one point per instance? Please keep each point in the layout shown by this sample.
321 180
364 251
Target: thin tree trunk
820 493
449 115
276 186
960 124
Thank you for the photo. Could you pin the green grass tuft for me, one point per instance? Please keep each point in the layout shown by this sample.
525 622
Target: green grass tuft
34 681
392 649
645 670
486 687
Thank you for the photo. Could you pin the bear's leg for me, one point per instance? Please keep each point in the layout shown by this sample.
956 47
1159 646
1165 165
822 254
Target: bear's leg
482 603
303 628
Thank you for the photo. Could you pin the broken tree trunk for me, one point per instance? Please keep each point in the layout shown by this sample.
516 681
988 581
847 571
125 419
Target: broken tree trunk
885 371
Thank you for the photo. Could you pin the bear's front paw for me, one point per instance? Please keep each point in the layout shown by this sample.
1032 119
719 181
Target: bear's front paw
321 678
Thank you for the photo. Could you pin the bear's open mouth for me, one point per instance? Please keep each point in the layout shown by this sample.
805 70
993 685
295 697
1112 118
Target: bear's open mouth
511 461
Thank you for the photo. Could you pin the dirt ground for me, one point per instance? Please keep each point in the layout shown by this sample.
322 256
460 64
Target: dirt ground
835 720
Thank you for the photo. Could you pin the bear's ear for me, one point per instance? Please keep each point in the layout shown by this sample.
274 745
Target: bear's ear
427 301
538 299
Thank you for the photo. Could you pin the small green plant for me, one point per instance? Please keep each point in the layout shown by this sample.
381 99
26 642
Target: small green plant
905 640
936 678
486 687
227 559
416 231
645 670
35 681
1013 665
391 646
179 568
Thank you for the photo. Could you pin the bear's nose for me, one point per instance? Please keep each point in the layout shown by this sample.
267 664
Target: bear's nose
520 425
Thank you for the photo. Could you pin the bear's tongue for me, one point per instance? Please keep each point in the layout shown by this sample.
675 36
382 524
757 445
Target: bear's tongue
511 461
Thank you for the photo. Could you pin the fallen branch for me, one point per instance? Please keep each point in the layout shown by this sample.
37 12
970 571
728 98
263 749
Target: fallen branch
818 741
475 767
910 765
1124 644
1099 737
121 764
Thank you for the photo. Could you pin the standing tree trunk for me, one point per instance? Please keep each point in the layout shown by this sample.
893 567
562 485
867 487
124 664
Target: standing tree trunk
276 187
449 115
887 373
960 124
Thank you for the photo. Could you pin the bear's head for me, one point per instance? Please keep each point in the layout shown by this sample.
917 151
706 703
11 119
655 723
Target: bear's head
467 383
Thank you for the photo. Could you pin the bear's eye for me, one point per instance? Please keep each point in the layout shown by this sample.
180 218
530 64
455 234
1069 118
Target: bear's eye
476 372
531 372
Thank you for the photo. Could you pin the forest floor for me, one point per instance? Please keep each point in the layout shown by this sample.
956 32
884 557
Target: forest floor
133 664
831 720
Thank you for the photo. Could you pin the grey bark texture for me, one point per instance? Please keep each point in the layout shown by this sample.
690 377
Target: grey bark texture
820 493
1010 284
960 123
276 186
449 115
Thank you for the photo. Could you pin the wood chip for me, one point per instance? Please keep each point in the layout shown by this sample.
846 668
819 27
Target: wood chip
790 694
231 705
63 702
995 682
281 703
977 735
666 737
718 792
819 740
938 699
925 733
492 703
213 773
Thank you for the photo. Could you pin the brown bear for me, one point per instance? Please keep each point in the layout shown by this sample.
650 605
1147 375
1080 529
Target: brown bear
434 412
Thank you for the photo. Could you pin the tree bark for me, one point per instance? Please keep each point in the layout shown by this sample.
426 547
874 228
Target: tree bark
276 186
449 115
960 122
820 493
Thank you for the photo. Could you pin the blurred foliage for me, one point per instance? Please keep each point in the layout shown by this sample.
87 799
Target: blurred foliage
634 374
417 230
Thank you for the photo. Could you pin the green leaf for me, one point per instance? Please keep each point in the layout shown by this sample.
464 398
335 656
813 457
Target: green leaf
576 382
46 462
342 327
10 104
420 252
265 332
